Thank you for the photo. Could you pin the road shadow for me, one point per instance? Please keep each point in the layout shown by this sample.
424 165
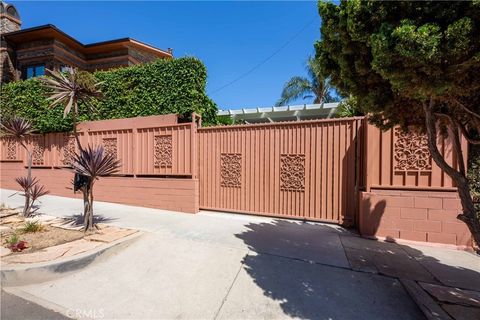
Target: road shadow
300 267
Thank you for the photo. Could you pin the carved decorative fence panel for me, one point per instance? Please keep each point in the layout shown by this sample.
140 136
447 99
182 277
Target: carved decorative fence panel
302 170
155 146
401 160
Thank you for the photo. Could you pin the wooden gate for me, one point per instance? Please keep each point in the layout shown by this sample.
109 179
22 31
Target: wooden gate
305 170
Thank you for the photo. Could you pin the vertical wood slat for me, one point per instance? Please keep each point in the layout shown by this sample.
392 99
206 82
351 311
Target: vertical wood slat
134 148
327 149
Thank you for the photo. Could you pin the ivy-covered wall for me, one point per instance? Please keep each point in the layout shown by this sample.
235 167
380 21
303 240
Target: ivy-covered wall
161 87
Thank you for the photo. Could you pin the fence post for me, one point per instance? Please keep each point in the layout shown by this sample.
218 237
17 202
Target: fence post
135 150
193 146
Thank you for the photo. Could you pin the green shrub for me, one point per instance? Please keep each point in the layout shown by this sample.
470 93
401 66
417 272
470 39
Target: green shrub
27 99
12 239
348 108
474 175
474 169
161 87
32 227
224 120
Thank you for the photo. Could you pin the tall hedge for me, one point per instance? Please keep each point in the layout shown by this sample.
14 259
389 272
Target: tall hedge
161 87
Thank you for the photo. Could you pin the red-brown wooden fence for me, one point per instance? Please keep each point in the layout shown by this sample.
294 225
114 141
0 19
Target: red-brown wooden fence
337 170
303 170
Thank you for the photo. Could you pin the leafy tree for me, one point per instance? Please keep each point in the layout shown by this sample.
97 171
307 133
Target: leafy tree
410 63
314 86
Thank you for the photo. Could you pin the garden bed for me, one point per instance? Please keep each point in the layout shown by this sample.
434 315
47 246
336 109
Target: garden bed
45 238
48 236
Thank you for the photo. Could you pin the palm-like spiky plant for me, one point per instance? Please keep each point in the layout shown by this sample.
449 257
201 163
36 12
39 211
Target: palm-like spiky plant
314 86
20 130
17 128
93 163
68 89
32 190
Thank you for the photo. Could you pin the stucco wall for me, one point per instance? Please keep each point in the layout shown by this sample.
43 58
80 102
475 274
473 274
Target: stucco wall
161 193
427 216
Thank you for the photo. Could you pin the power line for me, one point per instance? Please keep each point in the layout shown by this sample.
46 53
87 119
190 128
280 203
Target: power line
266 59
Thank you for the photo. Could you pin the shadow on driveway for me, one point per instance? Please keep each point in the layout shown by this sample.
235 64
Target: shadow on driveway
325 272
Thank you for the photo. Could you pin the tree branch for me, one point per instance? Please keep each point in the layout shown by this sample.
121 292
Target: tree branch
466 109
430 124
457 146
455 135
467 135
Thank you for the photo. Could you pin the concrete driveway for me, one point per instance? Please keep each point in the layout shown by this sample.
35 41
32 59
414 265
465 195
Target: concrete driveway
224 266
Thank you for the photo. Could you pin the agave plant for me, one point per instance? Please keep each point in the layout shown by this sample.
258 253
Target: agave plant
32 190
68 89
93 163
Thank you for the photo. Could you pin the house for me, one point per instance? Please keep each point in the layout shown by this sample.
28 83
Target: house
280 114
25 53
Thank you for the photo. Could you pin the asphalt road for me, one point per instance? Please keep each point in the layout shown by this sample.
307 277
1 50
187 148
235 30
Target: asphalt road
16 308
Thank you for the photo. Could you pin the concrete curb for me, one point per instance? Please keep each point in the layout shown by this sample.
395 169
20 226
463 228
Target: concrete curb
25 274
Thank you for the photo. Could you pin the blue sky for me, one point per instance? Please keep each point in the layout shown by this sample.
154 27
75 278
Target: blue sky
231 38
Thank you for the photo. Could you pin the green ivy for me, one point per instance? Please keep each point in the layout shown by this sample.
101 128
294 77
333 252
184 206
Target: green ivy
474 175
474 169
162 87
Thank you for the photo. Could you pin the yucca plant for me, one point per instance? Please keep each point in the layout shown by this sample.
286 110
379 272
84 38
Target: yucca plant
32 190
93 163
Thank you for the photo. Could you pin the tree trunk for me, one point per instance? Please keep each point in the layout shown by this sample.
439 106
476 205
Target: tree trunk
88 218
84 191
26 207
469 214
74 123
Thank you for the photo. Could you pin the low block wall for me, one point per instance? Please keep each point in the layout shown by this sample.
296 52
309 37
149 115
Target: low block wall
161 193
413 215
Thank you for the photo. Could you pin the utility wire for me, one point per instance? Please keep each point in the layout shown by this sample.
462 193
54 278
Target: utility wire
266 59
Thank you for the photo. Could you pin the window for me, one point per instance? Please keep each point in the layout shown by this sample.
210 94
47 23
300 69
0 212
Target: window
64 68
34 71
